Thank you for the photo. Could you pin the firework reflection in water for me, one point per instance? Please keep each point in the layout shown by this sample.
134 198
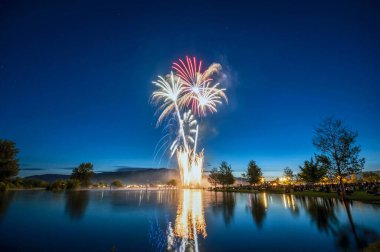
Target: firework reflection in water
189 223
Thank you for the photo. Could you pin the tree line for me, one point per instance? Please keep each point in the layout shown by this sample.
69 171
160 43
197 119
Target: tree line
337 157
9 168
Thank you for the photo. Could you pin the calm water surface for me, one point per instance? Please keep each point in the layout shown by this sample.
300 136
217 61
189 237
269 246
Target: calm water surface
181 220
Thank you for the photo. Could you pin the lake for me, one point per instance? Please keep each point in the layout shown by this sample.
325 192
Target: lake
181 220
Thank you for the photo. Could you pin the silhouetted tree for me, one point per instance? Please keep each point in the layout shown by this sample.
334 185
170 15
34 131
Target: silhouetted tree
338 152
312 172
288 174
83 173
254 173
9 166
225 174
213 177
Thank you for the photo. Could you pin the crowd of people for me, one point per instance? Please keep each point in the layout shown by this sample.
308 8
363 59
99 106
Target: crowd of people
368 187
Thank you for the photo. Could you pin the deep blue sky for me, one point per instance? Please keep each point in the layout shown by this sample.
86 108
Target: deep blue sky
76 78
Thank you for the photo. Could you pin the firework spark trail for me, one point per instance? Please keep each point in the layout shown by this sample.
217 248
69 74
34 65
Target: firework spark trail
197 87
169 93
191 90
188 124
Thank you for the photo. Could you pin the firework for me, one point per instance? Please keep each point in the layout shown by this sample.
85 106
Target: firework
190 128
199 94
194 92
168 92
190 165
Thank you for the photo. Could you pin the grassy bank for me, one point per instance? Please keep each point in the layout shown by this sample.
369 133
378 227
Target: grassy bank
358 196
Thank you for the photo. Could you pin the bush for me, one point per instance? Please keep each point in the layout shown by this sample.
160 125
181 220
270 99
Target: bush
72 184
117 183
33 183
103 184
100 185
17 183
172 182
56 186
4 186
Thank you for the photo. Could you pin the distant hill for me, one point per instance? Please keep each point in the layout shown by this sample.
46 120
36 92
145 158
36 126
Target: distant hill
124 169
126 175
49 177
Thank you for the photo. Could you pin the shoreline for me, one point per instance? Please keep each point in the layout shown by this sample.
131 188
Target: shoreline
356 196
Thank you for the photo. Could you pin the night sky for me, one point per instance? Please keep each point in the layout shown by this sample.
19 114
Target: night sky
76 78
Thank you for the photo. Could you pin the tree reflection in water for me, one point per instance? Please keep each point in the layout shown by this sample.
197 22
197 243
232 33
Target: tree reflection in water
5 199
353 237
321 212
76 203
258 206
349 236
226 205
289 202
189 225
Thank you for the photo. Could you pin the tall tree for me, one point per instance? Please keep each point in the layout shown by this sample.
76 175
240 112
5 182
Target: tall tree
288 174
83 173
338 150
254 173
213 177
312 172
225 174
9 166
